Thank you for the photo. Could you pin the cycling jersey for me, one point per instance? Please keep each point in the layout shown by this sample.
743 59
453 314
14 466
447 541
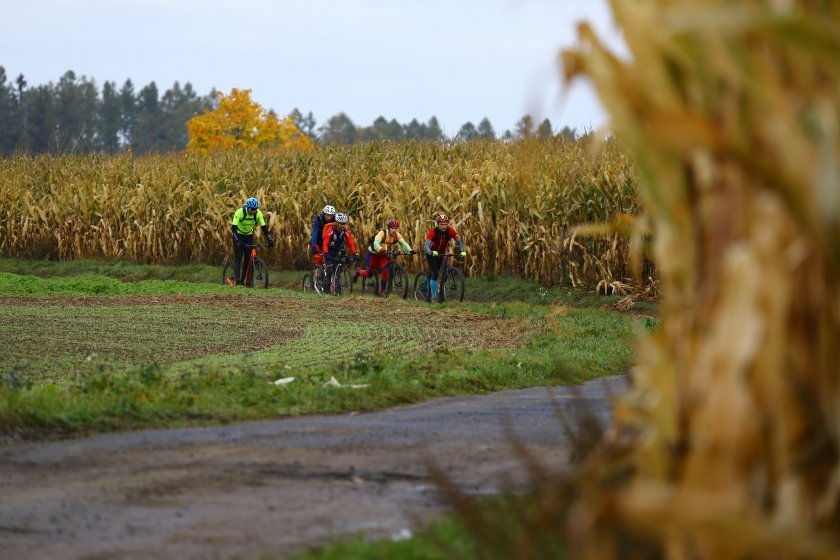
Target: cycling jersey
245 222
335 240
388 240
318 231
437 240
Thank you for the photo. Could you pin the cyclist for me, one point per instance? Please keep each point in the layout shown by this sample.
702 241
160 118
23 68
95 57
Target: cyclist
383 241
244 221
326 216
437 242
337 236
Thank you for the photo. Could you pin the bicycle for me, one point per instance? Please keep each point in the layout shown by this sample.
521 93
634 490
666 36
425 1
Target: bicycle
315 280
397 277
450 285
256 271
340 280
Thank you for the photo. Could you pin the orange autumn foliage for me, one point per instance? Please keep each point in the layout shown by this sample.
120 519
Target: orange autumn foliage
240 123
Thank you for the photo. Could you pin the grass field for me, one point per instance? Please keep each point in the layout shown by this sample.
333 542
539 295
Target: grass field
93 346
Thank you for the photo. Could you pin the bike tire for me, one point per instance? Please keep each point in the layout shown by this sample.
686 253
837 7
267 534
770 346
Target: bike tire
370 285
421 287
453 288
336 279
227 275
346 281
398 283
320 282
307 283
259 276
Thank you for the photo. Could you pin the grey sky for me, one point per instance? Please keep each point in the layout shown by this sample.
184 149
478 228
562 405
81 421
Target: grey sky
460 60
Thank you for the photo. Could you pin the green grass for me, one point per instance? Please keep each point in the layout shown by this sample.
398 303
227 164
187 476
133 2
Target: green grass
92 347
83 351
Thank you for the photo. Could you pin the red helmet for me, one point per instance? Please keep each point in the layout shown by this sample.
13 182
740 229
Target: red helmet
393 223
442 219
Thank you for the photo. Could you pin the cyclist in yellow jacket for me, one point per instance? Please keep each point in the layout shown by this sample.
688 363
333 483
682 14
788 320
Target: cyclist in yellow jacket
245 219
387 239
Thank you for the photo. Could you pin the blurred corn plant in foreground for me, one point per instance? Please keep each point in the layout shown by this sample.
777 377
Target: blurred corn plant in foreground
516 205
728 445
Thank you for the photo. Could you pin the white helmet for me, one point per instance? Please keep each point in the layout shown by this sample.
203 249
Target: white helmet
330 210
341 218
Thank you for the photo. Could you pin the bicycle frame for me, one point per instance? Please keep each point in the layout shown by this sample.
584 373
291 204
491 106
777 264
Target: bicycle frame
249 266
444 274
338 262
392 264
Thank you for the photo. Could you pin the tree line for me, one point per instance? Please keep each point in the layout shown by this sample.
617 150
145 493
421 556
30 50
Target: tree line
75 116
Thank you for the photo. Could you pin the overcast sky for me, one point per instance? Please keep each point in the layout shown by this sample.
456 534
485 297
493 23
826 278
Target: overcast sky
460 60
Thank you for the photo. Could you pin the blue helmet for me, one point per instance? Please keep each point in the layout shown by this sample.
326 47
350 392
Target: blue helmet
252 203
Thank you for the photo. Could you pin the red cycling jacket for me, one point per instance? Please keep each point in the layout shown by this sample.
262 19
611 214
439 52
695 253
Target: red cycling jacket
440 239
334 240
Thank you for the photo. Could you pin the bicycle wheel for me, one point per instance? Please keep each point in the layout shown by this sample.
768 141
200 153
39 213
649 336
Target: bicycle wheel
453 288
346 281
227 275
335 281
320 283
308 286
399 284
370 285
421 287
259 276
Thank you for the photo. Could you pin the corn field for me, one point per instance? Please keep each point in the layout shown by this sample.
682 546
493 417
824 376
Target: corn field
728 445
515 205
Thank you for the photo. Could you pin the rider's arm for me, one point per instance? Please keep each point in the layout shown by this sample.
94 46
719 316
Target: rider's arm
377 241
325 243
351 243
458 240
317 227
237 217
403 243
427 246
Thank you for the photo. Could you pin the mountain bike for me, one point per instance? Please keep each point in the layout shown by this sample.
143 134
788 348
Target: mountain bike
370 284
337 280
450 285
256 271
398 281
316 280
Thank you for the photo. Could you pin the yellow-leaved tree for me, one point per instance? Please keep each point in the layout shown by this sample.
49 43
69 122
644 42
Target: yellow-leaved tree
241 123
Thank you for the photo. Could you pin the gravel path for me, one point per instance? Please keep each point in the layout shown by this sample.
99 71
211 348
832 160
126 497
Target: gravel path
272 487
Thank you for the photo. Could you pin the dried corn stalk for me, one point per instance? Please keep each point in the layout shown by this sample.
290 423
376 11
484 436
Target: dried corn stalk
731 111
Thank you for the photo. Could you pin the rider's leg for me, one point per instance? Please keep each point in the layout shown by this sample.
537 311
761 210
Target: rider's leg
240 258
434 269
363 272
383 284
328 268
237 258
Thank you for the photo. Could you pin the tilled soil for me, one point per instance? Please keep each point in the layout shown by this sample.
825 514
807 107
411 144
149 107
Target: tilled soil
274 487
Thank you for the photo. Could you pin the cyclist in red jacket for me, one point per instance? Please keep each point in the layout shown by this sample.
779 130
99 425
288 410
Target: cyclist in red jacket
437 243
337 237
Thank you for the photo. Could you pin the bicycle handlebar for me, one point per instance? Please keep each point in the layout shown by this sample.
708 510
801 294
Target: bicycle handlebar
395 253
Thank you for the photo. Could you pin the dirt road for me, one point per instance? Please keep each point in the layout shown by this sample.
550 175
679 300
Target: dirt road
273 487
